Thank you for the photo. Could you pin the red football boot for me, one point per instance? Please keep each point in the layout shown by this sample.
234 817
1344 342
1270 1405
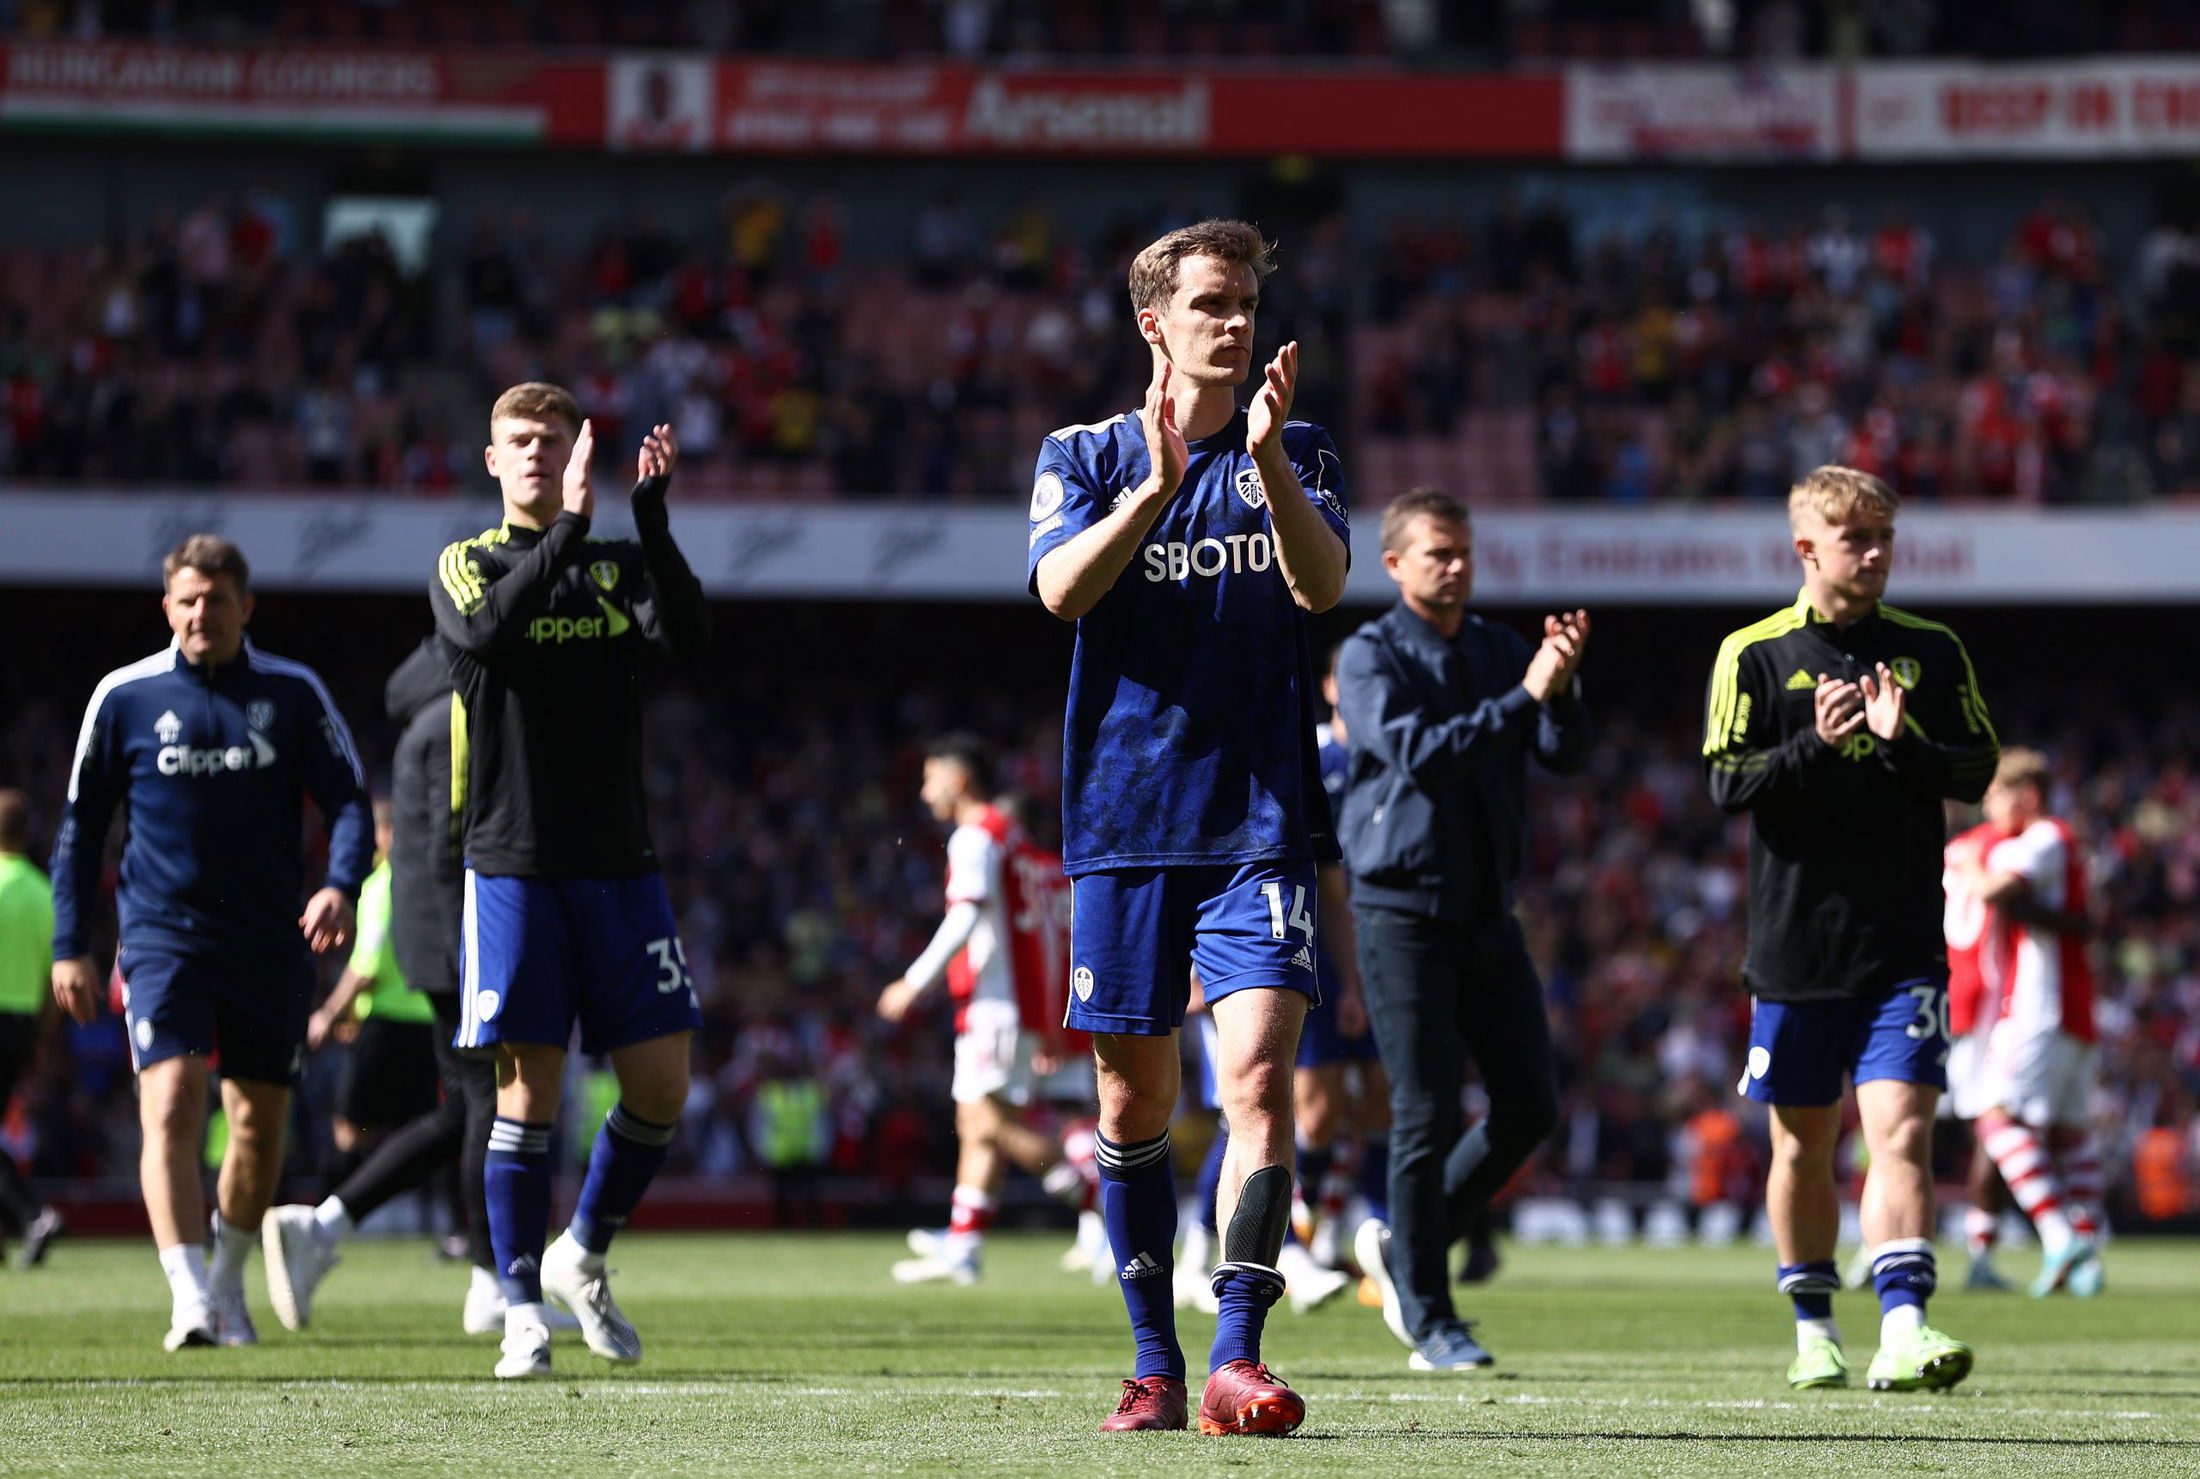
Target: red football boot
1151 1404
1245 1397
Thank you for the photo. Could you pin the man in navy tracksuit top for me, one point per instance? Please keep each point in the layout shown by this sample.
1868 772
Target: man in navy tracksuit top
211 746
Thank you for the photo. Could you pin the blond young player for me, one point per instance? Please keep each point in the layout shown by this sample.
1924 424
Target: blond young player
1840 725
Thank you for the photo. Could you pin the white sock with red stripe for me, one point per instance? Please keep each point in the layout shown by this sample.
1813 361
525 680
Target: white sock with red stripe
1981 1230
971 1217
2083 1185
1343 1174
2030 1174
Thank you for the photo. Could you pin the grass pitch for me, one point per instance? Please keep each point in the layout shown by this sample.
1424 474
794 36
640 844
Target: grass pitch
796 1354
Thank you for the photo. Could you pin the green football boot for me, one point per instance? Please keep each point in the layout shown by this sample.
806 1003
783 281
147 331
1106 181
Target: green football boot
1924 1360
1819 1363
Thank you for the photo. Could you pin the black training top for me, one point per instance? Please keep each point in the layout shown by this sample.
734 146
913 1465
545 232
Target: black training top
543 630
1844 844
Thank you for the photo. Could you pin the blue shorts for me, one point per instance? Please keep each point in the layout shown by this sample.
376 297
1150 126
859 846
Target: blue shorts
252 1013
537 954
1799 1050
1133 931
1321 1041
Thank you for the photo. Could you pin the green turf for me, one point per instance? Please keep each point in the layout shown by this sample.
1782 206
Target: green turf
794 1354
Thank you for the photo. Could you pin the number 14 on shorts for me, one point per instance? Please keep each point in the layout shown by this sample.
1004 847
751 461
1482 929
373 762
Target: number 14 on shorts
1297 918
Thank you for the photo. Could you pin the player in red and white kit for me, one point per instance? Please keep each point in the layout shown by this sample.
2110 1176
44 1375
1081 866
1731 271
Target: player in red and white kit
1972 1005
1003 950
2037 1059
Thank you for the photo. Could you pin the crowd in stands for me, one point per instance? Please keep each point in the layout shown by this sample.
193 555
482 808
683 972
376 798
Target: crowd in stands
1225 32
1507 354
1728 362
805 875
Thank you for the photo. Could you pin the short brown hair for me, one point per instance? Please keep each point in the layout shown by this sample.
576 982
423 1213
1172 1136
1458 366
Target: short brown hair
2022 767
537 400
1154 270
1420 503
15 821
1839 494
210 555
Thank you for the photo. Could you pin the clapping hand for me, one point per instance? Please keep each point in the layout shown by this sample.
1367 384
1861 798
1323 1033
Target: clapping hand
580 496
1883 700
1166 453
660 452
1271 407
1551 670
1839 706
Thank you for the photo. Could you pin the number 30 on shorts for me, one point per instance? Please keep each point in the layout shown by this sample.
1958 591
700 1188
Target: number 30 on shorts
1933 1018
1297 919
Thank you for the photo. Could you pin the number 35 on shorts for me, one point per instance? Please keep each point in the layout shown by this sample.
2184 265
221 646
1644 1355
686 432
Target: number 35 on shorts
672 967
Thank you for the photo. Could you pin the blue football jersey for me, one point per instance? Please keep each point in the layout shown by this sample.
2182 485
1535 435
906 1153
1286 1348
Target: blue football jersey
1189 738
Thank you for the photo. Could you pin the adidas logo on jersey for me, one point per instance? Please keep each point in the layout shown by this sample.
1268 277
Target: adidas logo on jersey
1801 680
1140 1267
1304 959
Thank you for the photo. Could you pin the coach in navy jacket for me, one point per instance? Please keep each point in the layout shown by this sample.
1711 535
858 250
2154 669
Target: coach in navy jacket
211 747
1441 711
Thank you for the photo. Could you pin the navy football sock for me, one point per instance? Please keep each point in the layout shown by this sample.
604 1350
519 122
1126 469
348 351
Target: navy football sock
1138 1203
1811 1286
1904 1272
516 1180
1247 1284
1375 1174
1210 1173
628 1154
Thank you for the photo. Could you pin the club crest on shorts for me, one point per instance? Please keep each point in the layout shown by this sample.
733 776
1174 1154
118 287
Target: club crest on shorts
1249 488
1080 981
1905 670
260 713
605 573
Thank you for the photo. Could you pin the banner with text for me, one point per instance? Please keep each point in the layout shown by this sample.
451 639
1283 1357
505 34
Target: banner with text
823 107
1702 111
471 96
908 552
2125 106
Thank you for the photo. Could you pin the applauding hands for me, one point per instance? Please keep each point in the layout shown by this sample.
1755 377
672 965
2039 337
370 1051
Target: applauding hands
1551 670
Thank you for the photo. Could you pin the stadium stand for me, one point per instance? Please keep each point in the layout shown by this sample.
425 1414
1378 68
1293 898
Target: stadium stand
1505 354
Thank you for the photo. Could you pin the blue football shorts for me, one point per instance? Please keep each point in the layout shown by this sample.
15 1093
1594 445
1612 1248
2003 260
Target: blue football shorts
537 955
1800 1050
248 1014
1134 932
